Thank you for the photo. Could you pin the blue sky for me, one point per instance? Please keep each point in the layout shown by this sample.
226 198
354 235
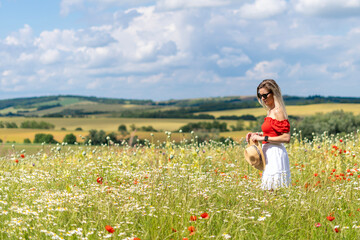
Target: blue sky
175 49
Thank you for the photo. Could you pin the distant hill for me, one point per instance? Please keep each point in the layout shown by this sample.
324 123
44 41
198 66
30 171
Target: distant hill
81 106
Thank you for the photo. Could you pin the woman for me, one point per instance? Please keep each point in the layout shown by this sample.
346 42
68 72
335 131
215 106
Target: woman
276 131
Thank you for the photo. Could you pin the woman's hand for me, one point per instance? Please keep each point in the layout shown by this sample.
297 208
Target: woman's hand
256 137
251 134
248 136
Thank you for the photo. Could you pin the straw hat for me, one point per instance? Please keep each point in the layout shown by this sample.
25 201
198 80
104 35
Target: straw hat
254 155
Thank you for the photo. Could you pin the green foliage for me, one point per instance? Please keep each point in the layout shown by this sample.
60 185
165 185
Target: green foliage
235 117
27 140
44 138
147 129
69 138
78 129
133 127
37 125
222 127
239 126
96 137
122 128
178 113
333 123
10 125
44 107
2 125
1 140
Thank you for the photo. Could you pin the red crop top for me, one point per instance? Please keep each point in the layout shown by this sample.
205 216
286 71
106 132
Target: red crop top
272 127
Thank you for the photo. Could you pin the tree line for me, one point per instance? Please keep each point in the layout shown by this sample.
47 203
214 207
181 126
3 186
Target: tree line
28 124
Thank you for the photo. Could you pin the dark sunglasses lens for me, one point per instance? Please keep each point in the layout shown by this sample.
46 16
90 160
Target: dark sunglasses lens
263 95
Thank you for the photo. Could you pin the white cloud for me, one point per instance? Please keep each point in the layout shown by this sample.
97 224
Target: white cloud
262 9
181 4
231 58
23 37
313 41
50 56
67 5
328 8
65 40
266 69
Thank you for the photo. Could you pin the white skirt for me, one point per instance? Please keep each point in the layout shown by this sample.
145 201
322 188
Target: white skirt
277 170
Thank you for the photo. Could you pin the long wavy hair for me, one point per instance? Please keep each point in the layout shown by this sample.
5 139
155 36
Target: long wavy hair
272 86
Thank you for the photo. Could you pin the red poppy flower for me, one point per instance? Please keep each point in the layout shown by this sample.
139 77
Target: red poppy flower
334 170
136 239
341 140
193 218
185 238
99 180
17 161
316 174
204 215
336 230
109 229
330 218
22 155
191 229
317 224
174 230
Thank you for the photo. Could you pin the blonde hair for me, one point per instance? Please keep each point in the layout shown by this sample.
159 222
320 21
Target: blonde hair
272 86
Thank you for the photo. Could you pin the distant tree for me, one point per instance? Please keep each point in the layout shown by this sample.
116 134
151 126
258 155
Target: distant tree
10 125
2 124
37 125
27 140
239 126
44 138
133 127
63 129
1 140
98 137
122 128
112 137
69 138
333 123
209 126
78 129
148 129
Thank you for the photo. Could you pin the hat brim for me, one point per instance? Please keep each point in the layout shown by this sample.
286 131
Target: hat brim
259 151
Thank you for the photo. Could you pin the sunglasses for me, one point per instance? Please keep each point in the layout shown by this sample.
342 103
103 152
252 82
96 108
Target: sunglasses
263 95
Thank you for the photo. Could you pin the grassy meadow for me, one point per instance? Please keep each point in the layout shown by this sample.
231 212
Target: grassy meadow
185 191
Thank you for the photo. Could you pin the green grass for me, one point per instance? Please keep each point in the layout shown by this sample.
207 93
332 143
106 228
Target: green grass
155 192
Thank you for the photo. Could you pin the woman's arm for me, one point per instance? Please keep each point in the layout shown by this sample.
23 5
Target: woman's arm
283 138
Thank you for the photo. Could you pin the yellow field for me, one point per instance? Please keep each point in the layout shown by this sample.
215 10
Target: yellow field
107 124
111 124
236 135
305 110
18 134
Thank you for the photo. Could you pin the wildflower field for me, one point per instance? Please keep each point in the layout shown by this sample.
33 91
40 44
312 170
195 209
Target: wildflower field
163 190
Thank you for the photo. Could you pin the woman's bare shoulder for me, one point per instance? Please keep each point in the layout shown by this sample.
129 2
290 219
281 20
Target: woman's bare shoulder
279 114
